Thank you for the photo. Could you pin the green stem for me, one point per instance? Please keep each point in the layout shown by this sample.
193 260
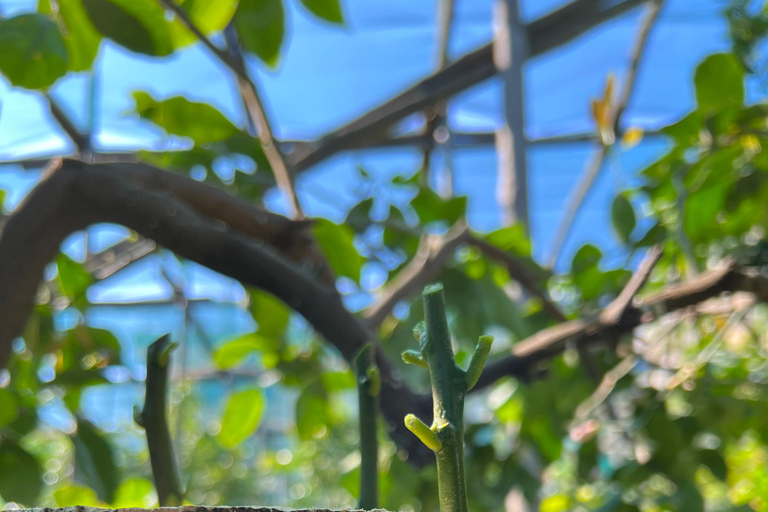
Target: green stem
155 423
450 384
368 389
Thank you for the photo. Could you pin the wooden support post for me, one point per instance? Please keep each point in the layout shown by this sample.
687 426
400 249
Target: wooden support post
509 53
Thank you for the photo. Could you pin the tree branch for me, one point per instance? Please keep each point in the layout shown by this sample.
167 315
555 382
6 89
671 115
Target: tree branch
254 107
81 140
550 342
589 174
73 195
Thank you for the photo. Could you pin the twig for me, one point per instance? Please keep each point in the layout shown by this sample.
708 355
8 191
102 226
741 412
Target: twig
429 260
519 273
81 140
250 94
587 177
550 342
618 307
152 417
607 385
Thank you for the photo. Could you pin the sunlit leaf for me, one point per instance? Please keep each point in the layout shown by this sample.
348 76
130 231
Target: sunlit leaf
270 313
241 417
73 279
312 412
512 238
76 496
234 351
179 116
207 15
328 10
133 493
33 53
336 243
261 27
20 474
94 461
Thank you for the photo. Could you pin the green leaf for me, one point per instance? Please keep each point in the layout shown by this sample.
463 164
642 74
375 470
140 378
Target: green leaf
270 313
9 407
623 216
328 10
95 461
20 474
586 257
241 417
358 217
261 28
336 243
338 381
179 116
431 207
231 353
312 412
76 496
719 82
207 15
138 25
73 279
512 238
80 35
133 493
33 53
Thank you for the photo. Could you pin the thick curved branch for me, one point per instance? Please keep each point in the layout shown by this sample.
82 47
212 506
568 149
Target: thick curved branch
73 195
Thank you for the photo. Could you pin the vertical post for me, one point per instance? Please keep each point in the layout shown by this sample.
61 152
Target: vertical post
368 389
510 48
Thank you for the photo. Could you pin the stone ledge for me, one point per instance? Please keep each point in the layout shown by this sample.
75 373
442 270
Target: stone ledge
192 508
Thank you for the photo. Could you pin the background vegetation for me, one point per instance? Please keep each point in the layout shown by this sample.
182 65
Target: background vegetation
629 386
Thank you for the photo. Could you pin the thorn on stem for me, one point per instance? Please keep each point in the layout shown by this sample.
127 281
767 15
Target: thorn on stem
427 436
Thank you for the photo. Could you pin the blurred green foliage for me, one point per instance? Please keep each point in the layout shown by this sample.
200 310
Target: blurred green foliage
681 429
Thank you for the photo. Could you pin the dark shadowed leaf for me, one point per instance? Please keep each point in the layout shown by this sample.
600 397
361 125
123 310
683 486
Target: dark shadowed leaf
179 116
95 461
20 474
336 243
719 82
33 53
138 25
329 10
261 27
623 217
80 35
9 407
241 417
